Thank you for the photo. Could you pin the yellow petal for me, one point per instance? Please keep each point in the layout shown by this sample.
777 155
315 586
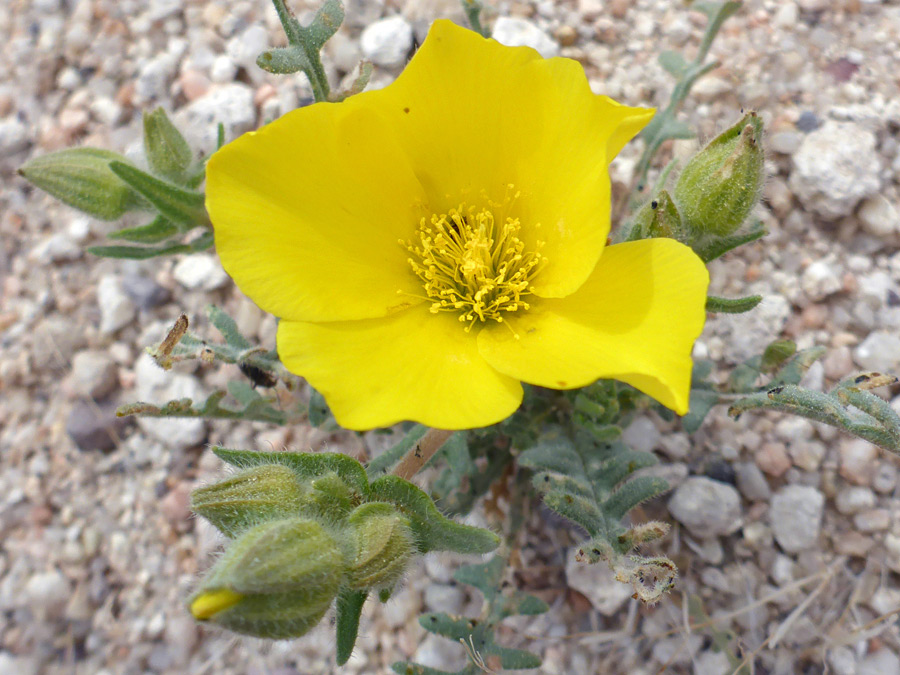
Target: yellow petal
413 365
634 320
212 602
475 116
308 211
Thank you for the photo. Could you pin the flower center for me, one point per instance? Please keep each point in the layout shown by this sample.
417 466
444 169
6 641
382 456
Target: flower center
470 264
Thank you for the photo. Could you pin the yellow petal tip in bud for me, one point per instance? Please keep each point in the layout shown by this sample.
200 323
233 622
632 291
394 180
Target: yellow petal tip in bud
213 602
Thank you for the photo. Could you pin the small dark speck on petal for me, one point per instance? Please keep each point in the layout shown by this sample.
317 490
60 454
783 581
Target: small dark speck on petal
406 110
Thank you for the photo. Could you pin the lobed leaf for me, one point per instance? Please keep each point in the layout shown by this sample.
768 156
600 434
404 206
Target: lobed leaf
433 531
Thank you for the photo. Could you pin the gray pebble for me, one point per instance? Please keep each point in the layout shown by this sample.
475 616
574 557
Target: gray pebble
885 478
706 507
835 167
144 291
642 435
785 142
879 216
808 121
853 499
597 583
47 590
751 482
13 136
231 104
116 308
201 271
880 351
882 662
94 426
56 248
94 373
842 661
445 598
515 32
796 517
387 42
873 520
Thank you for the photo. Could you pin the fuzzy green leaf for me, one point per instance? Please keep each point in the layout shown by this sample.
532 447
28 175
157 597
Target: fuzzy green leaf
159 229
432 530
486 576
227 327
182 207
138 252
284 60
578 509
325 23
777 353
632 493
795 368
349 609
719 246
673 63
732 305
243 392
701 402
403 668
622 465
559 456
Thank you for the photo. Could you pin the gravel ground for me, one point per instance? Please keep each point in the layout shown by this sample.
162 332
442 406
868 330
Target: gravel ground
799 556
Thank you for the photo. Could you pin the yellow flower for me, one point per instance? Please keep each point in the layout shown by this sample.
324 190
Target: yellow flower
430 245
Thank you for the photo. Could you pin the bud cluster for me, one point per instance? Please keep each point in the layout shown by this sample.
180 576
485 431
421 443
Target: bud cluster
306 529
297 543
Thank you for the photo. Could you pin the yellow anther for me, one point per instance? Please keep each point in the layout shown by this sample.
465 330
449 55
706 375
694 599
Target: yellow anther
469 262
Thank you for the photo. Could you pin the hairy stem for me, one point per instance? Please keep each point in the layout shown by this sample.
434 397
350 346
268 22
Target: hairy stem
421 452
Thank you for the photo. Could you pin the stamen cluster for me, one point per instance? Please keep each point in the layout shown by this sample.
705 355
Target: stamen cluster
470 264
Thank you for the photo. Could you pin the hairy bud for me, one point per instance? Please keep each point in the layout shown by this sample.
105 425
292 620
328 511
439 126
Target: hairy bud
384 546
253 496
722 183
328 496
165 148
276 580
81 177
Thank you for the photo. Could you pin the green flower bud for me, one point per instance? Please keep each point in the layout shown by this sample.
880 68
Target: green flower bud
658 218
253 496
384 546
81 177
275 581
329 497
722 183
168 154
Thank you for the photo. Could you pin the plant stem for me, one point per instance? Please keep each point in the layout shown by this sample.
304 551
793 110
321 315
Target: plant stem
301 38
288 22
421 452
